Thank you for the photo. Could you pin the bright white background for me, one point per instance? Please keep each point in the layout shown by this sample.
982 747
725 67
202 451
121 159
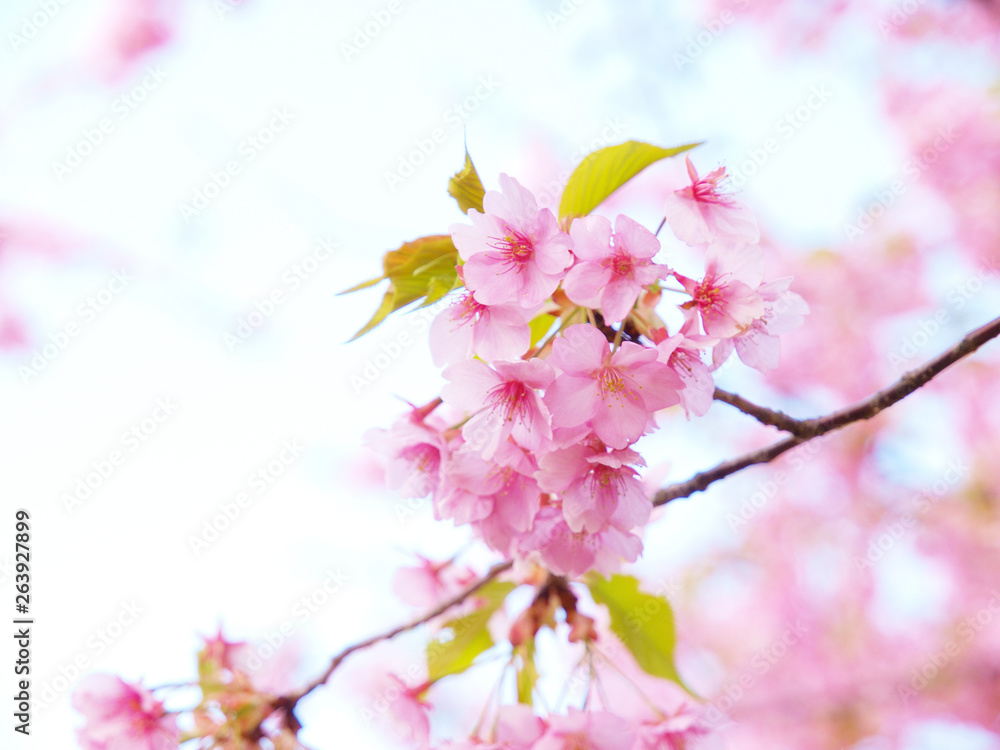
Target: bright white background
559 82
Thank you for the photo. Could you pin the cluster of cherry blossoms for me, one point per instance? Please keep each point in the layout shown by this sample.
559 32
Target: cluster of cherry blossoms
537 456
557 362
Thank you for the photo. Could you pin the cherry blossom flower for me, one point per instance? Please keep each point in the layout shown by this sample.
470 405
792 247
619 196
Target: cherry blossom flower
759 346
517 727
596 487
514 253
428 584
702 212
468 328
513 406
616 392
672 733
477 488
725 298
221 654
120 716
408 713
586 730
612 268
413 454
570 553
399 707
682 354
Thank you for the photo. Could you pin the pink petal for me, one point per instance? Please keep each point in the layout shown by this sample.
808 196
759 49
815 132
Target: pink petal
734 223
617 299
638 241
491 280
585 282
591 238
759 350
552 246
620 422
450 340
516 205
572 400
685 220
581 349
470 381
503 333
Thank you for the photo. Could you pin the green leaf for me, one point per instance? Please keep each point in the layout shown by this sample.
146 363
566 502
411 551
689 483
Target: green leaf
643 622
527 673
414 257
466 187
469 636
604 171
423 268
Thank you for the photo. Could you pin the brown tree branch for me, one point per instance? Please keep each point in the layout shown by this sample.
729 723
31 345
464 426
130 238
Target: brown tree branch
808 429
761 413
288 702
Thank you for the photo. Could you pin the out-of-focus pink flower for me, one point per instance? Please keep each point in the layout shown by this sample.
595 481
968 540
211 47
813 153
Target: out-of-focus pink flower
12 333
408 713
612 268
702 212
517 727
514 253
513 406
616 392
586 730
139 27
468 328
396 705
220 653
120 716
430 583
672 733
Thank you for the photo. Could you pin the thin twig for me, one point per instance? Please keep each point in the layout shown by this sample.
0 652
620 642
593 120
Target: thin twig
458 598
808 429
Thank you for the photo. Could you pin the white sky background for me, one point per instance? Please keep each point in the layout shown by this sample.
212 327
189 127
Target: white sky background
322 176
